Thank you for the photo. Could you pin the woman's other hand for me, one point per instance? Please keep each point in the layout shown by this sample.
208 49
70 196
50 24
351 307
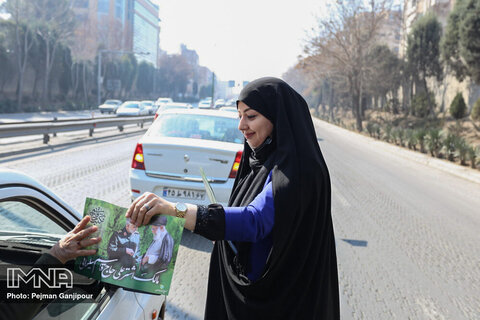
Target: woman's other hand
146 206
70 246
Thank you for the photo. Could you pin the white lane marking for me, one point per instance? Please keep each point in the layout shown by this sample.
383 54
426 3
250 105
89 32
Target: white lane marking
343 201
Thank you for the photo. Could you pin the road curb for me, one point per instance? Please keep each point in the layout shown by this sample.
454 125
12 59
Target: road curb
441 164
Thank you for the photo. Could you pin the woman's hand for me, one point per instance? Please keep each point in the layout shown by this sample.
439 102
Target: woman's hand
146 206
70 246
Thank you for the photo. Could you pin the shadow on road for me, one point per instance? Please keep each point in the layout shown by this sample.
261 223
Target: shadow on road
174 312
356 243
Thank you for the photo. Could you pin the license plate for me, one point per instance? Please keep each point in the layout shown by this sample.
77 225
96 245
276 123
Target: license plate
183 193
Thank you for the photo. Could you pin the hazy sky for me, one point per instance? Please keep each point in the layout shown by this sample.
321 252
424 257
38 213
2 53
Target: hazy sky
241 39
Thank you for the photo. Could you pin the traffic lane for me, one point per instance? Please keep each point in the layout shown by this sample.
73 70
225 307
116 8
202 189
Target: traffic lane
406 233
188 291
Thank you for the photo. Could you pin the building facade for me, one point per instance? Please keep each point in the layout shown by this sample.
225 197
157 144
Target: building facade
116 25
390 30
146 30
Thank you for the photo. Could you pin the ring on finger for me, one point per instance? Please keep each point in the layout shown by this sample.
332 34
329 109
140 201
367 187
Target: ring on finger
146 206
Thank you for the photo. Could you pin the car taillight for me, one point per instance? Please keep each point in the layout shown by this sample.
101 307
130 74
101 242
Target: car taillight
137 162
236 164
156 116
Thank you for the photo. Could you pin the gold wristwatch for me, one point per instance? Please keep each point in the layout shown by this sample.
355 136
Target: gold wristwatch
180 209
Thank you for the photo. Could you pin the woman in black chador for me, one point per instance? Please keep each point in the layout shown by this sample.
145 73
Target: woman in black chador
279 261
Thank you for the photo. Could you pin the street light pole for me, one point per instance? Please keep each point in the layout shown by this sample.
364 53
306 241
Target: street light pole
213 90
99 77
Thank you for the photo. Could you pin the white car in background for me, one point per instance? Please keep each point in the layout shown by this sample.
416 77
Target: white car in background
148 104
162 101
205 103
110 106
168 158
172 105
132 108
219 103
32 219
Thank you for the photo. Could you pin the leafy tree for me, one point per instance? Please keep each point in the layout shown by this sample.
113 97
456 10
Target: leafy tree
422 104
461 44
449 144
476 111
36 59
205 91
128 73
412 139
20 34
64 72
383 76
458 108
54 23
174 74
5 64
462 148
423 51
145 78
470 39
420 135
433 141
450 42
472 153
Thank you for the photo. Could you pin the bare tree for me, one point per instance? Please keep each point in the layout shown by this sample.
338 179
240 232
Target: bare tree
341 43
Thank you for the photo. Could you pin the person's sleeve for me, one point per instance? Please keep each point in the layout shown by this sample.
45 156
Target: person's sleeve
210 221
253 222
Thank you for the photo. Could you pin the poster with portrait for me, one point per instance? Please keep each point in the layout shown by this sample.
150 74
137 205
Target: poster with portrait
138 258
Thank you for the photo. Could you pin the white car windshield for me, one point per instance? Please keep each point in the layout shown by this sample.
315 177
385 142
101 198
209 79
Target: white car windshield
195 126
131 106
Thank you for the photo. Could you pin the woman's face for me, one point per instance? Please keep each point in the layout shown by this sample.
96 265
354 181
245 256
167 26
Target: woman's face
253 125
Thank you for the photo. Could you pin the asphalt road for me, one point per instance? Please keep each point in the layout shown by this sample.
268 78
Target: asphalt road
406 233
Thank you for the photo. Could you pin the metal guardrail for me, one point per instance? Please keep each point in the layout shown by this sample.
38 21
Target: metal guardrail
53 127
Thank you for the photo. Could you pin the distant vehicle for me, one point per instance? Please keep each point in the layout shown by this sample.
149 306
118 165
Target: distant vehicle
110 106
167 159
32 219
172 105
231 102
162 101
219 103
148 104
131 108
229 109
205 103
